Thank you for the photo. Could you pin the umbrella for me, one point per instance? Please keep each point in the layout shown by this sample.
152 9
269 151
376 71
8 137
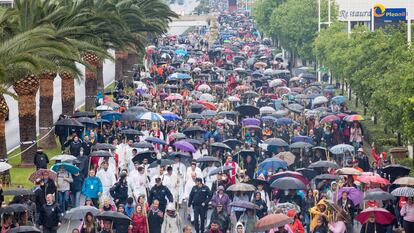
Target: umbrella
221 169
69 122
244 204
272 221
226 121
25 229
79 213
250 94
88 122
150 116
295 107
204 87
341 149
247 110
102 121
409 181
396 170
285 121
267 110
194 116
171 117
39 174
250 121
184 146
382 216
276 82
286 156
351 118
195 142
103 108
100 153
378 194
63 158
354 194
241 187
292 174
373 179
300 138
323 164
233 99
320 100
348 171
308 173
300 145
111 116
273 163
179 155
18 192
276 142
208 113
156 140
233 143
4 166
162 163
207 159
178 136
68 167
142 145
137 109
329 119
115 217
83 114
13 208
103 146
326 177
150 155
132 132
207 97
196 107
338 99
286 206
287 183
403 192
220 145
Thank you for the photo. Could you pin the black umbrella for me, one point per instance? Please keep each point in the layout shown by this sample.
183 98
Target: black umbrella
396 170
136 109
132 132
244 204
69 122
308 173
26 229
180 155
194 116
324 164
79 213
103 146
18 192
161 162
244 153
276 142
115 217
142 145
326 177
13 208
100 153
378 194
287 183
247 110
84 114
221 169
220 145
196 108
88 122
129 116
193 129
300 145
151 156
194 142
207 159
233 143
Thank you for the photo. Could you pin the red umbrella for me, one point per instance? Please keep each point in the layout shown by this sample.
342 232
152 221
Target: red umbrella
382 216
329 119
341 115
207 105
373 179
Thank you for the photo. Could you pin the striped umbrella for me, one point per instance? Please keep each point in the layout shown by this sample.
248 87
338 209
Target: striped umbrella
150 116
403 192
341 149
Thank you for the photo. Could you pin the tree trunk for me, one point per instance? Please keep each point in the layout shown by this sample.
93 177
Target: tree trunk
90 90
356 102
68 94
350 94
99 77
119 65
4 110
26 90
46 112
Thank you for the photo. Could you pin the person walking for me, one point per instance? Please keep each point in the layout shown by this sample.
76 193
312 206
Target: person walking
172 222
161 193
64 179
49 216
107 178
40 159
199 199
155 218
407 212
76 188
92 188
139 221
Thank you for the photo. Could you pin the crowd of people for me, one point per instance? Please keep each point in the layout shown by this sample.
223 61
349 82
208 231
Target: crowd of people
217 136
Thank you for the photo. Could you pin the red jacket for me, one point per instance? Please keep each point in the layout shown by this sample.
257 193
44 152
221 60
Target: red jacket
139 223
297 227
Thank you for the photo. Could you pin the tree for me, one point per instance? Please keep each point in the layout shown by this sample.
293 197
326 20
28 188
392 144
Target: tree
262 11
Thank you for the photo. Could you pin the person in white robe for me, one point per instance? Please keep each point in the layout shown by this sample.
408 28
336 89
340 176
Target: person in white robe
173 182
138 181
107 178
189 184
209 179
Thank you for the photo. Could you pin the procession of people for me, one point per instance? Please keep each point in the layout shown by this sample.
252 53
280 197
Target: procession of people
216 134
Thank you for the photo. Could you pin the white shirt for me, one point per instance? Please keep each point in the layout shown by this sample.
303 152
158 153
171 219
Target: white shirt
107 177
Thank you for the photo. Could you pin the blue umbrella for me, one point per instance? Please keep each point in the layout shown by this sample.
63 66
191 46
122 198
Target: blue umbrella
111 116
284 121
150 116
273 163
68 167
102 121
301 138
171 117
156 140
269 118
178 76
341 149
339 99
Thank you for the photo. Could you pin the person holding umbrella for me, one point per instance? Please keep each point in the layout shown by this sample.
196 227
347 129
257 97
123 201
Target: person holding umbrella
407 212
371 226
49 186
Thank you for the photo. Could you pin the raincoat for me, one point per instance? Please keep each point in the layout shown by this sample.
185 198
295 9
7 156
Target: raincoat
316 213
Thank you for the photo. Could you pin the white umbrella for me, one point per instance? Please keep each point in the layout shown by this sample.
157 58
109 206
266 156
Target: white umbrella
207 97
267 110
64 158
151 116
233 99
226 121
204 87
4 166
320 100
103 108
276 82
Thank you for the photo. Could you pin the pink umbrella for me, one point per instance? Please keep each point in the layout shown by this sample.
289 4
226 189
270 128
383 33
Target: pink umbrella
329 119
373 179
296 175
382 216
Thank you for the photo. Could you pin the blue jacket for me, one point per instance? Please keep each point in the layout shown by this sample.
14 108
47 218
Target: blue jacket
91 187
